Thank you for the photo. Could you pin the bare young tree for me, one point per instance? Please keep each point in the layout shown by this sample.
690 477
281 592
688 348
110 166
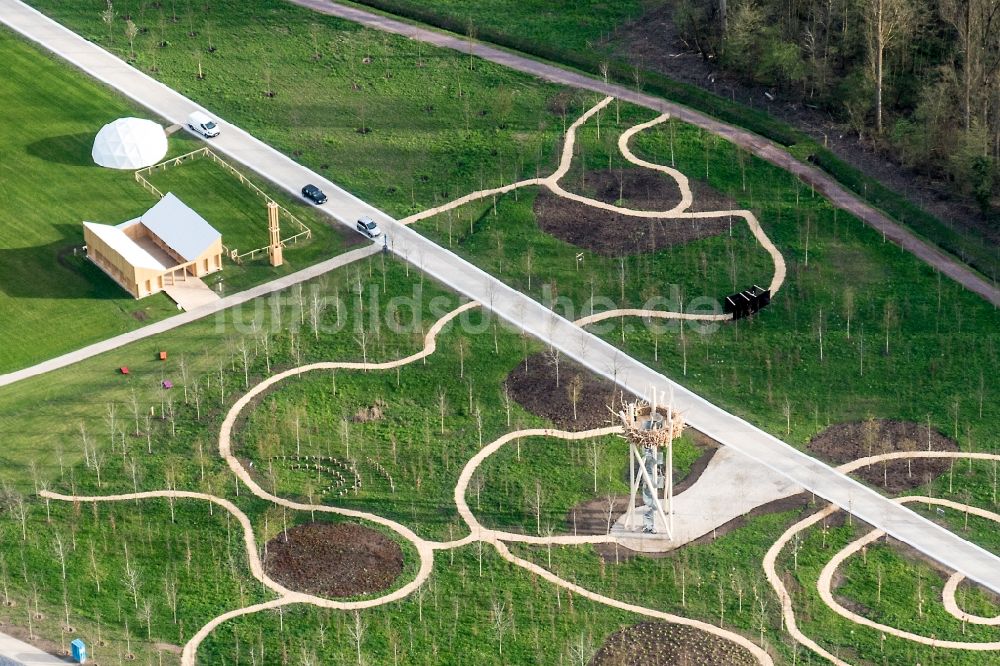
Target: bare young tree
60 551
442 406
95 569
507 402
86 443
170 593
362 339
133 405
108 18
886 22
534 502
553 358
316 306
575 389
111 419
131 578
581 650
462 347
147 616
244 351
357 632
595 459
131 31
501 621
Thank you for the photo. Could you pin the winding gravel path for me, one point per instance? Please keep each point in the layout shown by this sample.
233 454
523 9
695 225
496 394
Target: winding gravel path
758 145
678 212
825 582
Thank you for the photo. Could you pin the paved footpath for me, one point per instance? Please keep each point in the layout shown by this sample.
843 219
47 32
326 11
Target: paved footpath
198 313
866 504
758 145
14 652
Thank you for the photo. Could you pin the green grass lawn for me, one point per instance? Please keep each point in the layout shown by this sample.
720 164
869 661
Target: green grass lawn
506 241
41 426
587 36
941 349
240 215
919 347
434 123
53 299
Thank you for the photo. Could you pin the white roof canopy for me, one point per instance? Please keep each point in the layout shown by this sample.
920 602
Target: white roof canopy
129 143
132 252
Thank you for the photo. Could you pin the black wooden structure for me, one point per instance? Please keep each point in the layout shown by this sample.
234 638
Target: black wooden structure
747 302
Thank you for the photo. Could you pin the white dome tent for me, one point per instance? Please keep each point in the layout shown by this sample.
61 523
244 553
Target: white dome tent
129 143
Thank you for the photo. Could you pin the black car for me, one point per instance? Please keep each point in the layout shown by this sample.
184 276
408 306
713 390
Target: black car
314 194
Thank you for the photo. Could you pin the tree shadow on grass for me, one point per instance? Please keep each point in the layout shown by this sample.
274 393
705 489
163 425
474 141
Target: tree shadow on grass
55 271
71 149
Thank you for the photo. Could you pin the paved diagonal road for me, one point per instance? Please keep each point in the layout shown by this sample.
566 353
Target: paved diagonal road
904 525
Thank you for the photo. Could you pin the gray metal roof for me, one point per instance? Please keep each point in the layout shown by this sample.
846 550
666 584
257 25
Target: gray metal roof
180 228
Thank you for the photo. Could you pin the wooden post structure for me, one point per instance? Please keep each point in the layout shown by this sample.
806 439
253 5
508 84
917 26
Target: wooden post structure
646 426
274 230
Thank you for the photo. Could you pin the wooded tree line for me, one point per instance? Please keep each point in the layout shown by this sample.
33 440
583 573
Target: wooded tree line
919 78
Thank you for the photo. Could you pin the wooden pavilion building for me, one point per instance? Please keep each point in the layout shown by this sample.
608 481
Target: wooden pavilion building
164 246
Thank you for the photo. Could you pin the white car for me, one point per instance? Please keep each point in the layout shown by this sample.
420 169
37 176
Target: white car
202 124
369 227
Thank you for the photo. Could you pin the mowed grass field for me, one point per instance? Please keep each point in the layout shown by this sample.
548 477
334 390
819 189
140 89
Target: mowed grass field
240 215
54 301
400 124
48 186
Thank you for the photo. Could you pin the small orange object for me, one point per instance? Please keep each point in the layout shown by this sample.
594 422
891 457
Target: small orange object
124 369
163 356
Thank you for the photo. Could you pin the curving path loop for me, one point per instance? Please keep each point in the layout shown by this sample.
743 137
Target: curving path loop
824 583
425 549
498 539
678 212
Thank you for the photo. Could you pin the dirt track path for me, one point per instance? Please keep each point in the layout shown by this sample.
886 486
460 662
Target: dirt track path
758 145
824 584
678 212
499 539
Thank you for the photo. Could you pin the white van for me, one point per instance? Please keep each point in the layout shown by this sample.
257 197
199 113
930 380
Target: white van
202 124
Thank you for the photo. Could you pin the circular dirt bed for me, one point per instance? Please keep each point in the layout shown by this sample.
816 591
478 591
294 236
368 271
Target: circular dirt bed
534 388
610 234
334 559
661 644
641 189
845 442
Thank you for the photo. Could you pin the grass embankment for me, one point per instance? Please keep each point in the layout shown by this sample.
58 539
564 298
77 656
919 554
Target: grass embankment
50 185
53 299
585 41
398 123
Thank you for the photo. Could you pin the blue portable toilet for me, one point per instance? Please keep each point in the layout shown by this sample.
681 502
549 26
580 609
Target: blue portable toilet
79 651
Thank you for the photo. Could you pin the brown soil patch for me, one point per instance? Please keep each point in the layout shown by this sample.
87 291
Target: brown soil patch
532 384
334 559
845 442
368 414
639 188
611 234
662 644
